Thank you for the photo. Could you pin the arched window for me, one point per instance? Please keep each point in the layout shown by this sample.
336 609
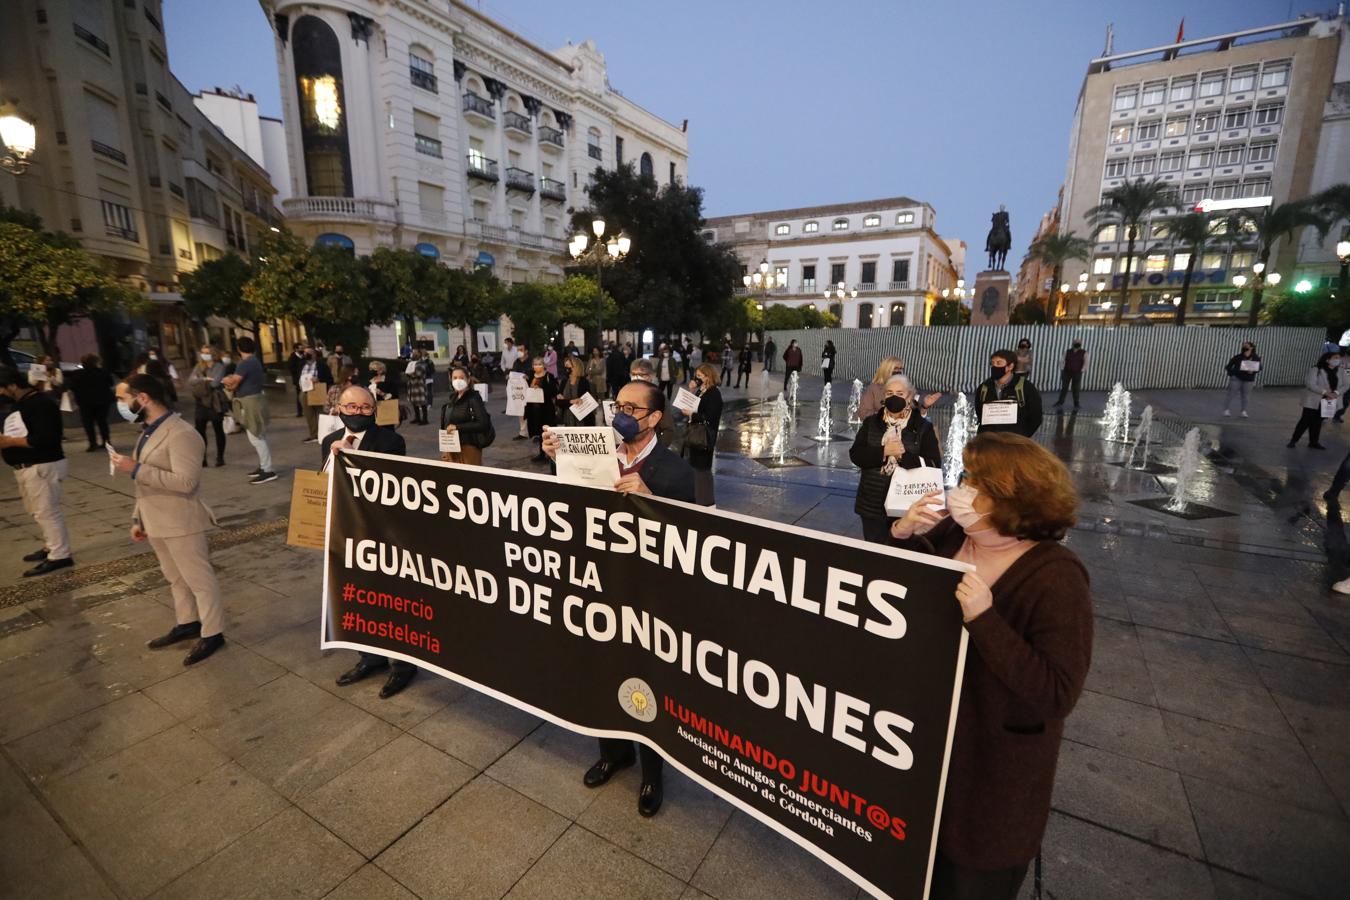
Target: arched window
782 229
323 112
645 165
839 225
864 315
810 227
428 250
332 239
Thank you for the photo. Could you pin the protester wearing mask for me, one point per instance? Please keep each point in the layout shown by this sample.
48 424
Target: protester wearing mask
538 415
667 371
645 467
166 469
1320 384
39 466
551 361
250 407
1025 361
93 390
314 372
1028 613
1004 385
295 362
415 383
204 383
896 436
827 362
745 363
596 372
356 407
1075 361
770 354
466 414
642 370
700 441
869 403
1240 380
524 365
728 363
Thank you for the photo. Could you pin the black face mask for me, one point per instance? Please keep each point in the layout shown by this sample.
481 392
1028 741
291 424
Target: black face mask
895 404
357 423
998 371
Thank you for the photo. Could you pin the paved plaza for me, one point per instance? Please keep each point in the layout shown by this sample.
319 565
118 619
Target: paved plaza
1208 757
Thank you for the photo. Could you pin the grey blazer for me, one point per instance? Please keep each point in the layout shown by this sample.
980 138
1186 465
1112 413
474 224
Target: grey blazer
168 501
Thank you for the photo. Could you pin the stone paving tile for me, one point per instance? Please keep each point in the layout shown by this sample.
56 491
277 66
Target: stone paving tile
66 746
1118 664
589 866
31 835
380 798
1193 615
1232 886
428 694
476 845
547 767
313 862
677 839
213 684
1310 640
50 661
1081 860
476 728
1219 660
750 861
65 873
250 717
1120 726
1292 848
1246 706
370 883
1125 795
32 710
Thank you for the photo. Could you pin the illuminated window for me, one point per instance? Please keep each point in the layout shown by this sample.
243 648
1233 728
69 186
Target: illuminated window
1156 262
782 229
1211 261
323 122
871 221
1102 265
1180 261
905 218
1121 134
1177 127
320 103
1107 235
811 227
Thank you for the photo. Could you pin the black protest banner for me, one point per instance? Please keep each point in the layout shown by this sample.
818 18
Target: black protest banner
807 678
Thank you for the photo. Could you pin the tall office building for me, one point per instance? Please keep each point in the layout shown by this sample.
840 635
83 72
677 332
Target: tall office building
1244 119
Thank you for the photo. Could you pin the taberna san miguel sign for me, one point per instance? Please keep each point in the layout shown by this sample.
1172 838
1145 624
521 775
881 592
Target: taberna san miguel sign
809 679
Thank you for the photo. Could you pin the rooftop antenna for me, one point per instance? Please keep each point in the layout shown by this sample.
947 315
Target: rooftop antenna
1110 39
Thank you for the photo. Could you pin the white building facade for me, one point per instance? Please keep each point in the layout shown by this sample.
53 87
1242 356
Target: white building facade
429 126
263 138
886 253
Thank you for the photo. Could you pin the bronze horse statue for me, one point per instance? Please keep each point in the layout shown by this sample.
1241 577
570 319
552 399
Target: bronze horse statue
999 240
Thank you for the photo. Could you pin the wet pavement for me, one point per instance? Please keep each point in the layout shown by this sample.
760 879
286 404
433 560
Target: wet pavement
1208 757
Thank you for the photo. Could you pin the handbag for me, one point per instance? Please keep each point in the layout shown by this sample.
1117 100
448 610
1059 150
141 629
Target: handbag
698 436
908 485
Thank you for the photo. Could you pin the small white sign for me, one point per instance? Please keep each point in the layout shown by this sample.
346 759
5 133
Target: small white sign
328 425
1250 365
534 395
515 394
37 372
449 441
113 456
826 362
686 401
584 406
482 390
999 412
587 455
1330 407
908 485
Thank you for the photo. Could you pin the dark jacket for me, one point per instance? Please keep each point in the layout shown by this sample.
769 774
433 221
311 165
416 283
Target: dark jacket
666 475
378 439
1028 400
792 357
467 414
1234 368
1025 666
919 439
537 415
709 413
1074 358
565 416
92 387
42 417
295 363
746 359
616 369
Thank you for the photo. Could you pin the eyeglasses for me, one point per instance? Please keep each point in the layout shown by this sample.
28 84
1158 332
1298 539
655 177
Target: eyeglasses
357 409
630 408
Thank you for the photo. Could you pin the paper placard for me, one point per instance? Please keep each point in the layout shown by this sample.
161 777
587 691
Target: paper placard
67 404
306 383
328 425
449 441
908 485
826 362
607 408
584 406
534 395
410 368
999 412
1330 407
37 372
482 390
1250 365
686 401
386 412
309 509
14 426
515 394
587 455
281 379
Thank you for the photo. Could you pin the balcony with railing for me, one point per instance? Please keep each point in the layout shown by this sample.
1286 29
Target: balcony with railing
425 80
475 105
515 122
163 101
594 152
92 39
427 146
121 231
103 149
482 167
516 237
552 189
519 180
338 209
899 285
867 286
550 138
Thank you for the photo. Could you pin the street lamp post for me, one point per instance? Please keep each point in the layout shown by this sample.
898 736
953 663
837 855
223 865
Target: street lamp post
602 253
764 280
1343 254
19 139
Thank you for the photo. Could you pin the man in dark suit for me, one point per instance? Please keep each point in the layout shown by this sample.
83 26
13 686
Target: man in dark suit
295 363
356 407
646 466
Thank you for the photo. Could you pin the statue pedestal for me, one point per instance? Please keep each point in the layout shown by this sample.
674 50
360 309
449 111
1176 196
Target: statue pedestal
990 303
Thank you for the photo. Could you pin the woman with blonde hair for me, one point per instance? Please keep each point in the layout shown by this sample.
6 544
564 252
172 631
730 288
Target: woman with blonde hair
1027 610
874 394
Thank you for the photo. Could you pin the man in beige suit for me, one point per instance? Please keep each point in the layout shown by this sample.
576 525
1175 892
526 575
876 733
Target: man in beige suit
166 466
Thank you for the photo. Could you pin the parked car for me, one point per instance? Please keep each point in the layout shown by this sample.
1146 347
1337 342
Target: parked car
23 359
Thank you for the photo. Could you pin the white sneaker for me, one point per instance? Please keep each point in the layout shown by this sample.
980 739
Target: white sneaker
1244 414
1227 413
1342 587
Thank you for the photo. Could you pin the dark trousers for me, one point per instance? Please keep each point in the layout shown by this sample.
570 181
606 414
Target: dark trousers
395 665
668 387
617 750
299 402
726 377
827 375
218 423
953 882
742 371
1067 379
1342 478
787 374
94 417
768 362
876 529
1311 422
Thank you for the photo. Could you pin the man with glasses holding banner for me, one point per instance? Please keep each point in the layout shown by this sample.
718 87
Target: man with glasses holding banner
646 466
356 408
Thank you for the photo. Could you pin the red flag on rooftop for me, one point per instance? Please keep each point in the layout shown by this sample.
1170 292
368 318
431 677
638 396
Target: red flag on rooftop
1181 30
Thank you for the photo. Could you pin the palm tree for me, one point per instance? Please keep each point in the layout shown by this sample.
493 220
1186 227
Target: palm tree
1055 250
1129 206
1267 226
1197 232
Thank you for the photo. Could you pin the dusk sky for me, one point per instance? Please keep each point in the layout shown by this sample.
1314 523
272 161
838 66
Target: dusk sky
961 104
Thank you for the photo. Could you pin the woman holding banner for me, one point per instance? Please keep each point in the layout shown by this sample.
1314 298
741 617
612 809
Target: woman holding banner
466 414
897 436
1028 613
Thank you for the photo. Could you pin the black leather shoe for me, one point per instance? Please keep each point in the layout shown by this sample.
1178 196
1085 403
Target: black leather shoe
36 555
398 680
650 796
204 648
176 634
220 462
362 669
604 770
49 565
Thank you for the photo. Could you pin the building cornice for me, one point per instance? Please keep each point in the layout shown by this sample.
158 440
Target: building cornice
487 62
806 212
824 239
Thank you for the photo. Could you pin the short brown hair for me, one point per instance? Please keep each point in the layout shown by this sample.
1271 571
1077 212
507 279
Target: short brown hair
1033 495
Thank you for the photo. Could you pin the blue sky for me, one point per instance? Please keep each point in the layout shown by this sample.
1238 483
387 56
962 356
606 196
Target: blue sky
965 104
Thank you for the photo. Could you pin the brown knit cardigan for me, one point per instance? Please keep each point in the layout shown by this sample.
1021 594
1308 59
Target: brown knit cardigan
1025 665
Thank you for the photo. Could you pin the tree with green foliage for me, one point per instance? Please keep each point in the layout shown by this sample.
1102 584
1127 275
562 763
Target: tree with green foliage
216 288
1029 312
538 311
949 312
779 317
324 288
405 285
1054 250
470 300
1128 207
1197 233
1267 226
1322 308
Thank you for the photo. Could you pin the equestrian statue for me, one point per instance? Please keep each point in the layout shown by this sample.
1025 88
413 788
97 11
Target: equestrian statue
999 239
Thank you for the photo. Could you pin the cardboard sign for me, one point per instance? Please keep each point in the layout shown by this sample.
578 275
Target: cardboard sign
328 425
687 401
386 412
317 395
534 395
587 455
999 412
585 405
309 509
449 441
908 485
1250 365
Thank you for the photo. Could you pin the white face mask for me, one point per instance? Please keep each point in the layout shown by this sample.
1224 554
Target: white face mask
961 505
460 384
206 357
225 360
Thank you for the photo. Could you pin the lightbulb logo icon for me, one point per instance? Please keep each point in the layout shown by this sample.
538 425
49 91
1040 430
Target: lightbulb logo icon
637 698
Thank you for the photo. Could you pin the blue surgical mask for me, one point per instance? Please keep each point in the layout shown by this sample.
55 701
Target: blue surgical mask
627 426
